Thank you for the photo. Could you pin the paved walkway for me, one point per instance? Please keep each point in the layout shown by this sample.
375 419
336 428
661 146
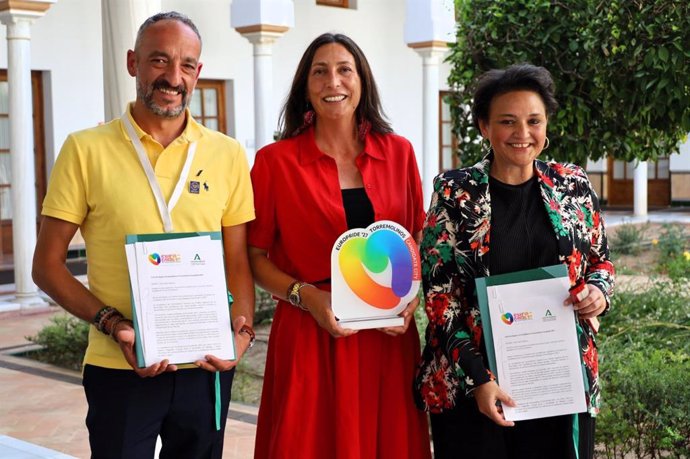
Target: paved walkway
42 408
671 215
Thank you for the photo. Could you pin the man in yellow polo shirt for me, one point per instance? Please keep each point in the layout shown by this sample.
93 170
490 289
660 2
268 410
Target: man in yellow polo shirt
154 170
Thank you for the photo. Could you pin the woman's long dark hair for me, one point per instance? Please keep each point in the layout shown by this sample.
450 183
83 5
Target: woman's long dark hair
296 104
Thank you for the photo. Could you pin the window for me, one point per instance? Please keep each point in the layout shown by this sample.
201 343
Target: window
338 3
208 104
447 142
656 170
6 211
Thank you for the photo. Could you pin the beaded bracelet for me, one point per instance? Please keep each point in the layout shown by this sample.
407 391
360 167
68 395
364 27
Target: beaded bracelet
102 317
99 315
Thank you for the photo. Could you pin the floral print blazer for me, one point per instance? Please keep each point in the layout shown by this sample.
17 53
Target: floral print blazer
455 250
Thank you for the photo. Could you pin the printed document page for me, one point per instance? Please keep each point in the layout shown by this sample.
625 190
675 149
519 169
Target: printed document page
180 299
536 348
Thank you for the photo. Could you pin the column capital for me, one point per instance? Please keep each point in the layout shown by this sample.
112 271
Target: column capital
262 34
430 49
14 11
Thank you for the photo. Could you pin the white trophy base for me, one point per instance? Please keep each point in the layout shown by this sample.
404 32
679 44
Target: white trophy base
372 322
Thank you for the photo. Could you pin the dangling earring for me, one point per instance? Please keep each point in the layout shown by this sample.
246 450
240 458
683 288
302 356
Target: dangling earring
307 120
485 145
546 144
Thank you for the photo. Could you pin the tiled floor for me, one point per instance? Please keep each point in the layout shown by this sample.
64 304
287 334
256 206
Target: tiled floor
45 406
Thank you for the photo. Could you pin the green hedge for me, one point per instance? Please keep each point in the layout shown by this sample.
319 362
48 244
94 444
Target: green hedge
645 366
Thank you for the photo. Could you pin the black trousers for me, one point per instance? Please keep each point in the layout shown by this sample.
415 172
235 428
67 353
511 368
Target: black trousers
127 413
465 433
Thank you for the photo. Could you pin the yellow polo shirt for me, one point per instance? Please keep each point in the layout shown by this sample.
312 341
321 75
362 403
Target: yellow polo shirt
99 184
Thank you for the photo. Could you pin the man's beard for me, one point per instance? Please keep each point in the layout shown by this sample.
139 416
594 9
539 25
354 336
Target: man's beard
145 94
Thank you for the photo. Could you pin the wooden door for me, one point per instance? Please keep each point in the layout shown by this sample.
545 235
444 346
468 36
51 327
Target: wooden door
621 187
6 211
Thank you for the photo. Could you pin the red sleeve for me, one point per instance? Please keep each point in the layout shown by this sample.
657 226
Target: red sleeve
262 230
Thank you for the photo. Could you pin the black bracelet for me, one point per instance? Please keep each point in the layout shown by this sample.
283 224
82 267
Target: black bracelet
104 316
99 318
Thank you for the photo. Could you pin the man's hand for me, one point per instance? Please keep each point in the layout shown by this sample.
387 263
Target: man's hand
125 336
213 363
407 314
487 395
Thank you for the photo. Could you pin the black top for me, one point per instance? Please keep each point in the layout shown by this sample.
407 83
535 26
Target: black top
358 209
522 236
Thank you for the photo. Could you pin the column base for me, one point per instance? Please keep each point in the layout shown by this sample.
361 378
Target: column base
24 302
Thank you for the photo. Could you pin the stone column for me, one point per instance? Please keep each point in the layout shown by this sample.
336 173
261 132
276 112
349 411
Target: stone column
429 27
18 17
120 21
431 53
262 38
262 22
640 189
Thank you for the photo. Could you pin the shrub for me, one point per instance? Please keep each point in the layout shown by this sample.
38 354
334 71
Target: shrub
265 306
628 239
422 321
658 317
672 241
678 267
646 404
64 341
645 368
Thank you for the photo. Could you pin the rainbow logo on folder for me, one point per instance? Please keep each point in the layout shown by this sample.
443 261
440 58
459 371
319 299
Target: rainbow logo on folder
155 259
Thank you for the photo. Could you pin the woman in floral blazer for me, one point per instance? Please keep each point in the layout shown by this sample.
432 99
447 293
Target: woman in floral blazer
508 212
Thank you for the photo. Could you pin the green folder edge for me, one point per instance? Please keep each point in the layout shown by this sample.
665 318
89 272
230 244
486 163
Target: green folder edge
547 272
131 239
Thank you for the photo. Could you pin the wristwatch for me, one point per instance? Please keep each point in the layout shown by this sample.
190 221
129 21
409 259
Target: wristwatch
250 331
293 294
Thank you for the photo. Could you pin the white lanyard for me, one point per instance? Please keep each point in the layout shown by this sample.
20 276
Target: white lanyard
163 208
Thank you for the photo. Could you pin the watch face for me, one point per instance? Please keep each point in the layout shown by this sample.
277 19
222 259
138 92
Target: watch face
294 296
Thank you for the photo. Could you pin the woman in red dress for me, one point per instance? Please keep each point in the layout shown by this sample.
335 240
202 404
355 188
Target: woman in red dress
330 391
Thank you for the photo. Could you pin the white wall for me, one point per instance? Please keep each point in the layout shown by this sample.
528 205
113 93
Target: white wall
596 166
376 26
66 42
681 162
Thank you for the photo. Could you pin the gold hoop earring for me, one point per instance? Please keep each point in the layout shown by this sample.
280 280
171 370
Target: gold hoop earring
546 144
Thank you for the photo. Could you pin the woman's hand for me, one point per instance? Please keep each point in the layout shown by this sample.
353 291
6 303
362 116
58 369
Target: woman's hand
487 396
318 303
591 305
407 314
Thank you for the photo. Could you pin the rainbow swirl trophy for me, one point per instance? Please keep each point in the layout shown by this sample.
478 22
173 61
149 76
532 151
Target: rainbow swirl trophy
375 273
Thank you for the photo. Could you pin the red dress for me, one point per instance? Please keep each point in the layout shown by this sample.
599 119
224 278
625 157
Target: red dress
345 398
